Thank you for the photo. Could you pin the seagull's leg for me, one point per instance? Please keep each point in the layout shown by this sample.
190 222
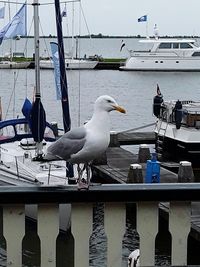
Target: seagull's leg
84 182
79 172
88 172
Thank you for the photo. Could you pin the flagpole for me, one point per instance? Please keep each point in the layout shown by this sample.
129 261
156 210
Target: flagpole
147 33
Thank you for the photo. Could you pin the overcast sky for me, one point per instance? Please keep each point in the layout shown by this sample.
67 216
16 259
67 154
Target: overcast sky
115 17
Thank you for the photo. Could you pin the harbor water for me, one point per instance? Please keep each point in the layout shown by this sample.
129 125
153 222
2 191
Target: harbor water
132 90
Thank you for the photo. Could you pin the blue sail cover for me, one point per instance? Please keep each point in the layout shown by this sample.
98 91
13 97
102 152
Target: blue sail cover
37 120
26 109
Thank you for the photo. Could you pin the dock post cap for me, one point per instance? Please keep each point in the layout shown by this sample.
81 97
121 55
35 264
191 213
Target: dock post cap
143 145
135 166
185 163
113 132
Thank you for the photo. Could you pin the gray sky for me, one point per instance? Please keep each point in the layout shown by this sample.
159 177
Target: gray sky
114 17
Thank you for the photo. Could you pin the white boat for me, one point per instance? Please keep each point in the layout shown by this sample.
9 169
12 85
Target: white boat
7 64
178 130
165 55
71 63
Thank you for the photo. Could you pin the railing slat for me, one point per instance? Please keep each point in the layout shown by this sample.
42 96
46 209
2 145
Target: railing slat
147 227
48 229
81 228
114 225
14 231
179 227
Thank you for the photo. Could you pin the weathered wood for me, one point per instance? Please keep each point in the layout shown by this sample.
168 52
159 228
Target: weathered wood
179 212
147 227
185 172
118 164
13 231
114 224
48 229
81 228
136 138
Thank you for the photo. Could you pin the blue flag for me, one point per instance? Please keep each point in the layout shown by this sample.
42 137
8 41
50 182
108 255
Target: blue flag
56 63
2 12
64 12
143 18
17 26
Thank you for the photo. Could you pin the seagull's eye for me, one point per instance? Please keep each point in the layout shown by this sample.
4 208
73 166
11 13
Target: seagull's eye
109 101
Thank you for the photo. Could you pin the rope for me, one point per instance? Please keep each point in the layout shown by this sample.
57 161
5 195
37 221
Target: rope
138 128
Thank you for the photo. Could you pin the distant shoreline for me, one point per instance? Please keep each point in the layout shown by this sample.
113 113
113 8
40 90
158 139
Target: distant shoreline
100 36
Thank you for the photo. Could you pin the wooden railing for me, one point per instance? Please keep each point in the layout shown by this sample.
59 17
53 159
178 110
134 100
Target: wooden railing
146 196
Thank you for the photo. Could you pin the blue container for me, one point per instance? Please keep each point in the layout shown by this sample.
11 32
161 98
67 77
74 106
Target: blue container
153 170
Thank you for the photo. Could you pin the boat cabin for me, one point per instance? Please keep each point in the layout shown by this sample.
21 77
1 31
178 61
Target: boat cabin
178 47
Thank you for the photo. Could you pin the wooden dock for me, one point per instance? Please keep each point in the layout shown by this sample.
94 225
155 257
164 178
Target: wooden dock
118 164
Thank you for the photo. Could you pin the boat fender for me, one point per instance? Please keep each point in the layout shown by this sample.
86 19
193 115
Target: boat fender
157 102
178 114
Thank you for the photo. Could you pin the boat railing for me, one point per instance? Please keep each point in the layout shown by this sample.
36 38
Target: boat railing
176 198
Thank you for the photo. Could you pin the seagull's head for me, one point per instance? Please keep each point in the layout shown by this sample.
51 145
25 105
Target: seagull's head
108 104
133 259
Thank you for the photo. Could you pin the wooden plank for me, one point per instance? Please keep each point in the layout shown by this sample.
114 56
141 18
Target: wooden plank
136 138
114 224
118 164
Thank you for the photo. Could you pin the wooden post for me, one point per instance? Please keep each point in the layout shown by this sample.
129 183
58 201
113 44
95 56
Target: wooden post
114 224
13 231
81 228
185 172
135 174
114 139
144 153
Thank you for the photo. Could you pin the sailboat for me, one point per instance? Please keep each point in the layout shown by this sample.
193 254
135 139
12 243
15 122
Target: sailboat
15 28
24 140
72 62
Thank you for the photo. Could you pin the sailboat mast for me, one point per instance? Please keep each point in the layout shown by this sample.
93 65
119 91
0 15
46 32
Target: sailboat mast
63 77
37 51
9 17
37 114
63 81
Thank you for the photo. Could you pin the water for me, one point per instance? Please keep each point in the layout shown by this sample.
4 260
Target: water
135 92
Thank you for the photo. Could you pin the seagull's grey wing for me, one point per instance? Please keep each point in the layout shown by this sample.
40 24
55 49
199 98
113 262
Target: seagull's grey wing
70 143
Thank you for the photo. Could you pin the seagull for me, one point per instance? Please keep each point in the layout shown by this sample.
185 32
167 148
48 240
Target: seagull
134 258
84 144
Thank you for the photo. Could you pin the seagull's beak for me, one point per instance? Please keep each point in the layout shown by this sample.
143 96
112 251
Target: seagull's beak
120 109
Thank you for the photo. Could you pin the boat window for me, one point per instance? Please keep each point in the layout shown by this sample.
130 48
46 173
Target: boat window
175 45
185 45
165 45
196 54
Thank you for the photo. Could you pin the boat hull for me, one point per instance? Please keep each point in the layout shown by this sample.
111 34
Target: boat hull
13 65
161 64
70 64
178 144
